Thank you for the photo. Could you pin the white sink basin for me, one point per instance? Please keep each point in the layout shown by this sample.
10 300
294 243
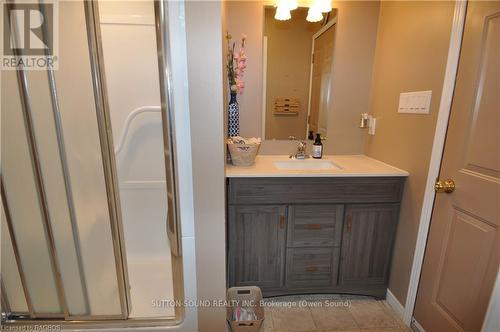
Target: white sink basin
306 164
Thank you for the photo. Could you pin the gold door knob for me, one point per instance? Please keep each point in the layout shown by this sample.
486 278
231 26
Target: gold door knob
446 186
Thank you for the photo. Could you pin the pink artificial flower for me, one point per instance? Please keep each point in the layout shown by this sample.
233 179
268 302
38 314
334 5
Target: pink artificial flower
236 64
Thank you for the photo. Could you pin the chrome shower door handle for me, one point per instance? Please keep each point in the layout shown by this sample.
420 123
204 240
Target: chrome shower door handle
173 224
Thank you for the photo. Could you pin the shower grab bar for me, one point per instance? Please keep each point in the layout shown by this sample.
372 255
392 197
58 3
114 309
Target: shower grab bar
128 121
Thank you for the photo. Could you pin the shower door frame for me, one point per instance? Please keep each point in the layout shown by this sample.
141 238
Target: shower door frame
111 182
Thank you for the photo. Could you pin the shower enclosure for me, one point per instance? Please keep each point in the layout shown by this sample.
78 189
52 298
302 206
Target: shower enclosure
91 173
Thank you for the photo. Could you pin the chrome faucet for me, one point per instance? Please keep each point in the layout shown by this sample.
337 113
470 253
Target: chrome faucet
301 149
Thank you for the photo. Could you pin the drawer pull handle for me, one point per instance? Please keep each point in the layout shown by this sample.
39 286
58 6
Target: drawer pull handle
311 268
314 226
282 221
349 223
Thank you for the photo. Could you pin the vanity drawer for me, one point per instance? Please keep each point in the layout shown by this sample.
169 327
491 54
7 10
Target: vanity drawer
311 267
314 225
315 190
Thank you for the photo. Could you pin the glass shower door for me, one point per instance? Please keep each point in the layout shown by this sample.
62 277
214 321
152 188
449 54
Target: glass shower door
57 194
85 236
143 150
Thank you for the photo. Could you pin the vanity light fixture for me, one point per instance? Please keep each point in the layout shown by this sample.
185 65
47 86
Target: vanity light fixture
314 14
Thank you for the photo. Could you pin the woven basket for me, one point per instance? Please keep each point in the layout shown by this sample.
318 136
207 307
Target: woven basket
243 154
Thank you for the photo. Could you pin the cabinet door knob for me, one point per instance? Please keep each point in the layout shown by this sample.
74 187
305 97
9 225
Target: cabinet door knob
349 223
282 221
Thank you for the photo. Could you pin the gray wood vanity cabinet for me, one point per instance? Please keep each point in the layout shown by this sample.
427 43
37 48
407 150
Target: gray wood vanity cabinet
312 235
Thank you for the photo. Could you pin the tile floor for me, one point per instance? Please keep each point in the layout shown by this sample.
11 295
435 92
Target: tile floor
339 315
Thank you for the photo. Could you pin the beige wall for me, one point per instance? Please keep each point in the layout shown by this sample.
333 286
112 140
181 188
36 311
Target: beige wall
352 75
412 48
288 69
205 73
247 17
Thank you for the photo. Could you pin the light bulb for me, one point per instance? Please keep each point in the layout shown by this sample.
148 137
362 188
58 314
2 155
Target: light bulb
314 14
325 5
282 13
289 4
292 4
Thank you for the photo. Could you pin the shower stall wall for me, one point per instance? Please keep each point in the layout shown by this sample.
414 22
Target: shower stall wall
135 112
85 231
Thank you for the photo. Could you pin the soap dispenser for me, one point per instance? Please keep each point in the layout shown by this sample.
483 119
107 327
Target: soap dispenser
317 149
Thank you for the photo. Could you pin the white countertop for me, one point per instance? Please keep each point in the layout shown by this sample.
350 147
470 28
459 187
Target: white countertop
350 165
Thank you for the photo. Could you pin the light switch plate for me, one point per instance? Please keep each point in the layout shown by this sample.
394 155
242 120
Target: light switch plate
418 102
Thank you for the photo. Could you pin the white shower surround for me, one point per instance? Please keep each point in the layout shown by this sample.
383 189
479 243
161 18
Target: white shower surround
140 163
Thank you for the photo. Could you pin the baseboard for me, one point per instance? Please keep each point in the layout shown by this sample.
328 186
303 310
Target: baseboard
393 302
415 326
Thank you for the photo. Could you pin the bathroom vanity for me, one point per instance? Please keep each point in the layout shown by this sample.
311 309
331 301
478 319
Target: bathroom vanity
313 226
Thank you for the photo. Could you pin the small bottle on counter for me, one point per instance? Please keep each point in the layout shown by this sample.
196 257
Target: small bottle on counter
317 149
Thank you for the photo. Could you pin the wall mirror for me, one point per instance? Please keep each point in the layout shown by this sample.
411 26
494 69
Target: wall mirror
298 64
306 76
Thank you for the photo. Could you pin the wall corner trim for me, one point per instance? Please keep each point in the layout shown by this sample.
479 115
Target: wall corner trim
436 155
394 303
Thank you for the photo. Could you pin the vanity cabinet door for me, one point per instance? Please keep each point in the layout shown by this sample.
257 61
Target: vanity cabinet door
367 242
257 236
